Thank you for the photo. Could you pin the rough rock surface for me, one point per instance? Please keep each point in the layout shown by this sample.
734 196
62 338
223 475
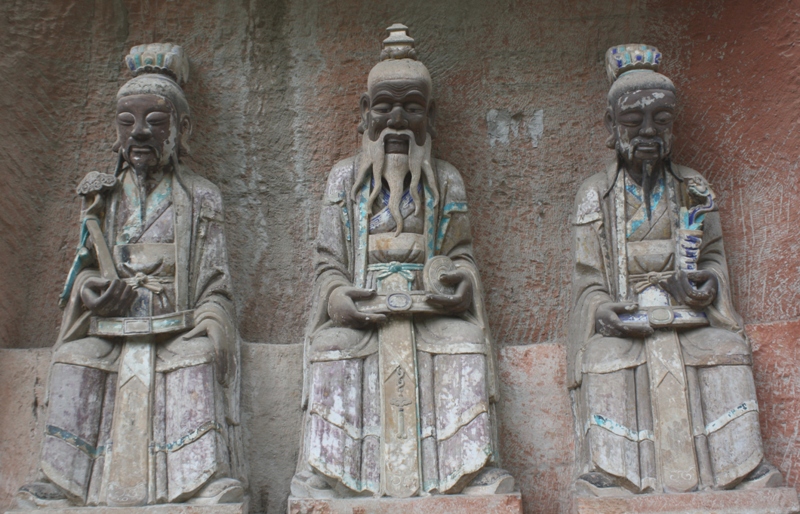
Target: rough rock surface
521 88
274 90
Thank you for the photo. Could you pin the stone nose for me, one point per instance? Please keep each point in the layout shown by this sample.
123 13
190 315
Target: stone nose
648 128
396 119
141 131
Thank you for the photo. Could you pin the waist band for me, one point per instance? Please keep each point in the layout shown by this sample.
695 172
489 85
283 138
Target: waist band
164 324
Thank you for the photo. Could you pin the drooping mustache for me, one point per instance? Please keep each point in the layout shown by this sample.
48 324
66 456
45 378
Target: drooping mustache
638 141
137 144
373 159
418 163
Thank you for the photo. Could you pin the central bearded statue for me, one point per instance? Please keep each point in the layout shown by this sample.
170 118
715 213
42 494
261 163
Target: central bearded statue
400 378
658 360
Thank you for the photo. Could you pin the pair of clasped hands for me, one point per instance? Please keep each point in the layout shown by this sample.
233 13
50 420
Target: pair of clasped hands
109 298
343 311
694 289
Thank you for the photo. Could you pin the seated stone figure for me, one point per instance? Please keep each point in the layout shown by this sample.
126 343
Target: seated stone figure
658 359
399 368
144 384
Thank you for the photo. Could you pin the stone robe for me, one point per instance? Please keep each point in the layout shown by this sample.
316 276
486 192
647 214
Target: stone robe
454 360
176 260
609 375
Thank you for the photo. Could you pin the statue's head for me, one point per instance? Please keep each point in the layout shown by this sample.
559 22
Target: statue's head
397 123
153 118
641 105
399 92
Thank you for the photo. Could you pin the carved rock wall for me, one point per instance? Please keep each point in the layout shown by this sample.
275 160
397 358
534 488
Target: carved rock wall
520 88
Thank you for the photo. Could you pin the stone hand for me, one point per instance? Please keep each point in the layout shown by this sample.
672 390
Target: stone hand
224 356
461 299
343 311
695 289
607 322
107 297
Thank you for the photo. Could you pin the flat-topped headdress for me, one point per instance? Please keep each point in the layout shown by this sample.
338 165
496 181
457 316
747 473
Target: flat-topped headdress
633 67
158 69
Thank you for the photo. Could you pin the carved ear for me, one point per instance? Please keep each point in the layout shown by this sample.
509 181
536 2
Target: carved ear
185 132
364 107
117 145
608 121
432 118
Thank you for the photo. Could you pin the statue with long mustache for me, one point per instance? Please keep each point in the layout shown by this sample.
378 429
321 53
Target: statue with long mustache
658 362
399 387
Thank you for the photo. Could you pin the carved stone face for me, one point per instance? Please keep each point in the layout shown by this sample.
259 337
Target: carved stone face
399 105
147 130
642 124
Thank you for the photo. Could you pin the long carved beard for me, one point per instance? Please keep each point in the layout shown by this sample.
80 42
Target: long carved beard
651 170
650 174
394 168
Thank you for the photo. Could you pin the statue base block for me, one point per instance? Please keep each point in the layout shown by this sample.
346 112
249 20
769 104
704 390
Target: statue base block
178 508
445 504
778 500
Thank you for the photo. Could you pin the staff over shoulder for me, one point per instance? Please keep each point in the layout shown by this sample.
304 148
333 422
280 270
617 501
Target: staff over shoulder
144 384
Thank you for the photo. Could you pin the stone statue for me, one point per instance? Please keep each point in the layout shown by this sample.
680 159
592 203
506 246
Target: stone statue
658 359
399 369
144 383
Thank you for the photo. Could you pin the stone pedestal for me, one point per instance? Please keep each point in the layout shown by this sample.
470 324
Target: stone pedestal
780 500
445 504
227 508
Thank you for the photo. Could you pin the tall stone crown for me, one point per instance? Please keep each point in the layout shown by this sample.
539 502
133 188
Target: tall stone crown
399 45
624 58
160 58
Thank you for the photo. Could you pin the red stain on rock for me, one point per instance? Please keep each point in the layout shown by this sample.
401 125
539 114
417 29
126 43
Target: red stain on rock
776 355
536 429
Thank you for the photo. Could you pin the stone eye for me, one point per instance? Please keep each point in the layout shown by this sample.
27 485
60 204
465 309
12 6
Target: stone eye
663 117
126 118
157 118
631 120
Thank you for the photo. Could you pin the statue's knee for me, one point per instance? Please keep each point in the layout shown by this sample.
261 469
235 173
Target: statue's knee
711 346
606 354
332 339
87 348
443 330
195 345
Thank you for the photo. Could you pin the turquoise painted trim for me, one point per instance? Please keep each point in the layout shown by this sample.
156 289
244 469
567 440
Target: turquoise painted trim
641 216
430 235
388 269
189 438
455 207
361 236
448 209
75 441
82 256
346 222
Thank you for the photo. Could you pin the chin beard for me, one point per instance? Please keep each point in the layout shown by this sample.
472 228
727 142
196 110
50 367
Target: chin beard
650 175
394 168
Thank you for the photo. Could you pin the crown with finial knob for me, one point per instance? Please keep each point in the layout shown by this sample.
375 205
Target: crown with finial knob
159 58
633 57
399 45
